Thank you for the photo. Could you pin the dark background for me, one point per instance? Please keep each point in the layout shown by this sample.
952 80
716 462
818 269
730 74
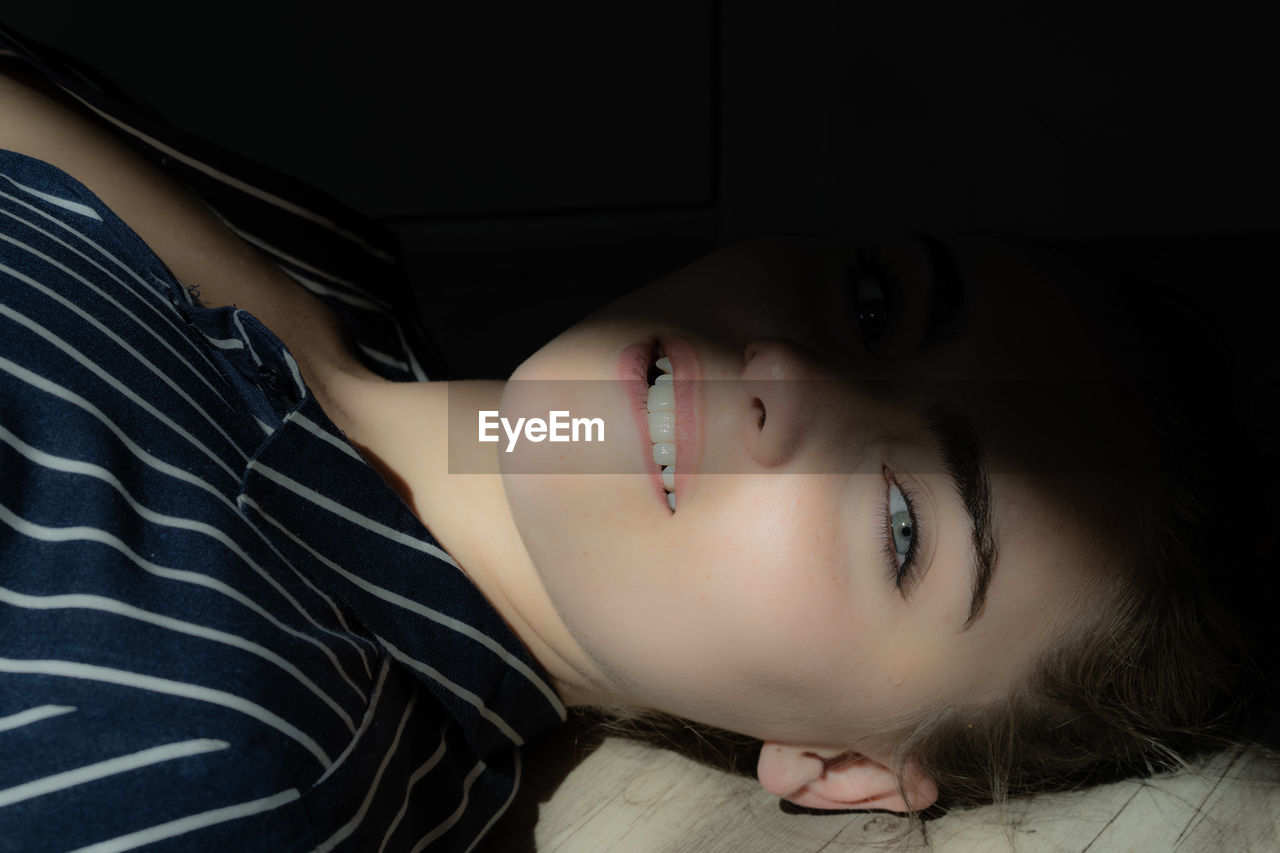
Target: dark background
538 158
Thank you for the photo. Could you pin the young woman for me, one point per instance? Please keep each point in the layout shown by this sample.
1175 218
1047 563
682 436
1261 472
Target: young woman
915 539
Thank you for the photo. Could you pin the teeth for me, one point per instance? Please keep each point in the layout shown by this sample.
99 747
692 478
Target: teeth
662 426
664 454
662 398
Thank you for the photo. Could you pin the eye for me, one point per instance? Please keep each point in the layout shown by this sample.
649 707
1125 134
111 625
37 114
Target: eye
872 289
901 534
902 525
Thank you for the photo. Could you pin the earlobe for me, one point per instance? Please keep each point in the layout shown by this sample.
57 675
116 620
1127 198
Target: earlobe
808 777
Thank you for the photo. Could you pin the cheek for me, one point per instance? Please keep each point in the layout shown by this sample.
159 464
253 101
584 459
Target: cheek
782 564
748 592
766 543
759 593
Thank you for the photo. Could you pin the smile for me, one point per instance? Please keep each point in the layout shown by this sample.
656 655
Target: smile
661 379
661 406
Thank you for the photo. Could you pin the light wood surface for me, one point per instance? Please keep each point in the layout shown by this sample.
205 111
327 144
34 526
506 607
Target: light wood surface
629 796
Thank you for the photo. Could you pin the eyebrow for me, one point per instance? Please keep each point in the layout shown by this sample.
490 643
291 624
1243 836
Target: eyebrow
951 427
948 313
957 438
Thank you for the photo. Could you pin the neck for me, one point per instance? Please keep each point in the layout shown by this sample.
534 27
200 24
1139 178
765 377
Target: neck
402 429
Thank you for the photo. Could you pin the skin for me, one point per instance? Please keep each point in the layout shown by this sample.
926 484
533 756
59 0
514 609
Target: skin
764 604
777 577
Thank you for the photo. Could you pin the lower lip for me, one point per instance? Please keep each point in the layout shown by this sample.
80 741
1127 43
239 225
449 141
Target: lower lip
633 370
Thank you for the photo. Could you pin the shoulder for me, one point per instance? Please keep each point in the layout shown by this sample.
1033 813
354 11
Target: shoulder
40 121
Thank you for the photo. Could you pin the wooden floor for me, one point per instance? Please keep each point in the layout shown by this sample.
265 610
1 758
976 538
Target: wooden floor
584 795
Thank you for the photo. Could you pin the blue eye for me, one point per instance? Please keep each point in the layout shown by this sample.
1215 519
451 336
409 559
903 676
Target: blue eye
901 534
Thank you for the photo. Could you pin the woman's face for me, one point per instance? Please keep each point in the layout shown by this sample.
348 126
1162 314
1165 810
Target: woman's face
817 581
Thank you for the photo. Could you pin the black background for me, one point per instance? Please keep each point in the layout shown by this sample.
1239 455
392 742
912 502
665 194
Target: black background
538 158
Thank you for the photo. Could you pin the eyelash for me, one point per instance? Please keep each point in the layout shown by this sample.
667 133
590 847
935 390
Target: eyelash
871 263
899 574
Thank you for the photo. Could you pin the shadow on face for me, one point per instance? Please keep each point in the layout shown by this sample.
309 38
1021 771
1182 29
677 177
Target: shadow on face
1040 351
749 569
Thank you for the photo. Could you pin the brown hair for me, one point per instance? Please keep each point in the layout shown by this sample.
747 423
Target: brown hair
1174 665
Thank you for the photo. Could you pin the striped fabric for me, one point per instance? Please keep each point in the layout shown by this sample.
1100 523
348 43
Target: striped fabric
219 628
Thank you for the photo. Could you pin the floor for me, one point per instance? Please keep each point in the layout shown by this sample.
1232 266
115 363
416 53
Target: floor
586 795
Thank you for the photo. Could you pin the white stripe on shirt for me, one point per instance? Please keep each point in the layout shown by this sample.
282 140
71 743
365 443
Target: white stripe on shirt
448 822
277 252
244 187
423 770
169 687
156 297
235 318
119 341
382 357
457 690
369 712
321 289
225 343
352 825
418 373
122 389
322 434
110 767
64 203
54 389
33 715
345 512
436 616
83 533
75 466
156 305
299 385
191 823
517 769
83 601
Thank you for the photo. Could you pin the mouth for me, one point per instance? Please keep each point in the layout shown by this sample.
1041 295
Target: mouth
660 411
662 380
648 376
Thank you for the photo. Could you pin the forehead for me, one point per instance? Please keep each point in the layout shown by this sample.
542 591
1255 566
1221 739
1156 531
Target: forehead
1033 314
1041 350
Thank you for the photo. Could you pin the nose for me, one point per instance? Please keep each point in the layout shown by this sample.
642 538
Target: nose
781 379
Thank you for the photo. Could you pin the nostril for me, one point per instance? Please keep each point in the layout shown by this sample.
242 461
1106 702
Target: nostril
759 404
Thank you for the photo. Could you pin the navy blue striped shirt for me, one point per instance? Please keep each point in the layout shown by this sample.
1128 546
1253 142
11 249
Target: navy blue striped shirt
220 629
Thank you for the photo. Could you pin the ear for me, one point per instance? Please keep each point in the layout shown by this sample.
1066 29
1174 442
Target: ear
809 777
